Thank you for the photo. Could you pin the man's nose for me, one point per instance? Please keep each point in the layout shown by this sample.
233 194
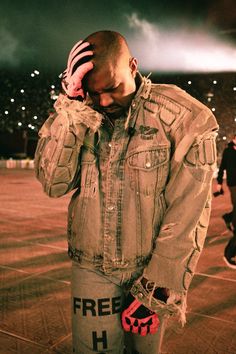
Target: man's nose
105 99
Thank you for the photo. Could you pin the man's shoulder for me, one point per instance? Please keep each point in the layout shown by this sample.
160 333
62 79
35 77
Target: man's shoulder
174 105
169 93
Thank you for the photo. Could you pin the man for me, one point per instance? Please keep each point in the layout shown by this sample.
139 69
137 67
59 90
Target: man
228 164
140 157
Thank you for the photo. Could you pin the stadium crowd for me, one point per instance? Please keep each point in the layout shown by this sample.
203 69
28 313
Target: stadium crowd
27 98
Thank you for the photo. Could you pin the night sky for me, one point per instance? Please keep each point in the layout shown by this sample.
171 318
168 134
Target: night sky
173 35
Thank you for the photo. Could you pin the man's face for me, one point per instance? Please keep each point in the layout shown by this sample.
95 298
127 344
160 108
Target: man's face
112 87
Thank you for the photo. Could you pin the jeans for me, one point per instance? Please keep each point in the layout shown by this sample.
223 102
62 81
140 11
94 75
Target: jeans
97 302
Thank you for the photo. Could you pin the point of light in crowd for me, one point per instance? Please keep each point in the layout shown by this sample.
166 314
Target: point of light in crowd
213 109
36 72
224 138
214 82
209 99
20 124
210 94
6 112
235 119
12 100
22 90
32 75
35 117
234 88
23 108
189 82
52 86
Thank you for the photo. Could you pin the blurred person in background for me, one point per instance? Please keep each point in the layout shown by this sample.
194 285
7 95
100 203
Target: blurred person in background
228 165
140 157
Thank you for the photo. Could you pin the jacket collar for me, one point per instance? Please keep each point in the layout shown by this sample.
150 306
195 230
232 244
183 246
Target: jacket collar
142 93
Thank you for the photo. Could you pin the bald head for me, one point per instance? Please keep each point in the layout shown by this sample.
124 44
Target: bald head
111 83
108 46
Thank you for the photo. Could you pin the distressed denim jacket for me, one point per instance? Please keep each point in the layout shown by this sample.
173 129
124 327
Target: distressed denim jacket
142 189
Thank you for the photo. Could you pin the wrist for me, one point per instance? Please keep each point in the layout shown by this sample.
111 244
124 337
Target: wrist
158 292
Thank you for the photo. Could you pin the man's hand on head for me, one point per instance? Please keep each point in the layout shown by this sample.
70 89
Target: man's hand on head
78 65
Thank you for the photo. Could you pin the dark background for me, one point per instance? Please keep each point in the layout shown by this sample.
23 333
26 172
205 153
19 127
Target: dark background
177 41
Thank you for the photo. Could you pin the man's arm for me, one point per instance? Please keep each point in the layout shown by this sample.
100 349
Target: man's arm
62 135
188 193
58 149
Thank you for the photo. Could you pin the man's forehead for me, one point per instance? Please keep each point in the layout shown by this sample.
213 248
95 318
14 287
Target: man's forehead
101 80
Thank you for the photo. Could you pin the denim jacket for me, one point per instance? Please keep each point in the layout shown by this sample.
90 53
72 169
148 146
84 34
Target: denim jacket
142 188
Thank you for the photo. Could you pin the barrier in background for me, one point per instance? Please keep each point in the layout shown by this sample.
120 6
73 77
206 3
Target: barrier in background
10 163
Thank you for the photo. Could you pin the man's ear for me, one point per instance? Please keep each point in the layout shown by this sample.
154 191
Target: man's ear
133 64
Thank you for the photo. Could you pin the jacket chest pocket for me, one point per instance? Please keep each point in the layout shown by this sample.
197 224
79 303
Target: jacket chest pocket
148 170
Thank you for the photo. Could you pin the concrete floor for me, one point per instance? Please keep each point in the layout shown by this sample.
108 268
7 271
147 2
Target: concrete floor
35 278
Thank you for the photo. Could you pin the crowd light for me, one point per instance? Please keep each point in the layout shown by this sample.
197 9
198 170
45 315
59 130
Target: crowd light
34 99
210 94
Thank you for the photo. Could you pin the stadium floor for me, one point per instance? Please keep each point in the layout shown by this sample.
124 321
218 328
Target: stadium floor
35 278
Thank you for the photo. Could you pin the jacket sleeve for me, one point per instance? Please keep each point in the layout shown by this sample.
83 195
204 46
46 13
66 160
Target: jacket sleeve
61 137
188 195
222 168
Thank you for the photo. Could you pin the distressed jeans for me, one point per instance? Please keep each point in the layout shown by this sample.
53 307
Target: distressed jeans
97 302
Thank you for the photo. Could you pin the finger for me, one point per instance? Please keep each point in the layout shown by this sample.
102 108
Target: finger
135 326
79 56
75 83
126 323
84 68
143 331
72 50
76 52
126 327
78 48
77 59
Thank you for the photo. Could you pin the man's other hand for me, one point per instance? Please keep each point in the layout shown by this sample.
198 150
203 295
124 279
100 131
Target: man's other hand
137 318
